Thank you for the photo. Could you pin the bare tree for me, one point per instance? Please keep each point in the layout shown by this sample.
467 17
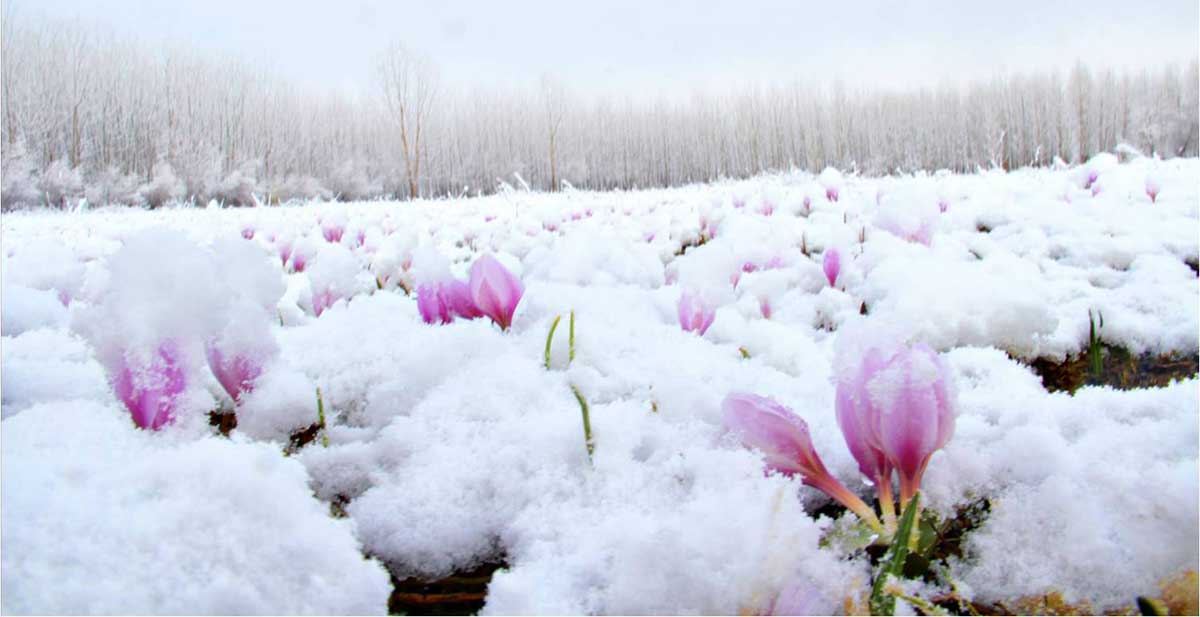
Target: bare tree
554 106
409 82
77 102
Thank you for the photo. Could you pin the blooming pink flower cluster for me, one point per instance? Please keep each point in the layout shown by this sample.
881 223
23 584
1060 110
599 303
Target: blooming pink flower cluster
491 291
894 410
152 389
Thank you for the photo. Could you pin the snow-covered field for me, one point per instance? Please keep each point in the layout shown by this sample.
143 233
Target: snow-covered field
452 444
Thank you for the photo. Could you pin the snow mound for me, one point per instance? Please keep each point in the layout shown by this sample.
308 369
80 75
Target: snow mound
103 518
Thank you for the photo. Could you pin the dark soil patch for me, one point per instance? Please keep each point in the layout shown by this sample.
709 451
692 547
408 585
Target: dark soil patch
224 421
462 593
299 439
1119 369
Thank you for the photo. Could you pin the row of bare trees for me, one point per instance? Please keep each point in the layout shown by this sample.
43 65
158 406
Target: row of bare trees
89 115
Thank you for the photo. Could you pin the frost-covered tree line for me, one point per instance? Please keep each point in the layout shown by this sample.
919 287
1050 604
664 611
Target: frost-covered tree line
87 114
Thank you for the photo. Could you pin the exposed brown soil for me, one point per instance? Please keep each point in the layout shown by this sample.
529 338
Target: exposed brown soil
462 593
1119 369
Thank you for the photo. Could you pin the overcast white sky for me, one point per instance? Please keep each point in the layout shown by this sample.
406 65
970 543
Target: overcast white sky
661 47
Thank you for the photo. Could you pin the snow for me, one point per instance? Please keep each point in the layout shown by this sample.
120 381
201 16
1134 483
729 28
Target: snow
454 445
104 518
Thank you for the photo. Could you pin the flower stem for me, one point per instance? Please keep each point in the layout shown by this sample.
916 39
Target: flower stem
838 491
883 486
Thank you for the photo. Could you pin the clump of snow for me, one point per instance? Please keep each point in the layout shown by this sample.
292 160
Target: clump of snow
590 256
27 309
102 518
48 365
283 402
48 266
335 275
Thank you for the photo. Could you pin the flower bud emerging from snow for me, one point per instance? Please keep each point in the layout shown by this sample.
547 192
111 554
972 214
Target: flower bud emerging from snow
1153 187
432 306
495 291
903 406
779 434
831 179
441 302
832 264
248 232
695 315
859 419
151 391
299 261
236 373
783 438
285 250
332 232
323 299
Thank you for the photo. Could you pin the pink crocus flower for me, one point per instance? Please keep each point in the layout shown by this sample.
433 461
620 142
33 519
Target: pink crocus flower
457 295
332 232
151 393
695 315
285 251
322 300
1153 188
923 233
768 208
299 262
495 291
902 407
442 302
807 205
432 306
248 232
1091 179
764 305
831 193
943 206
236 373
858 419
832 264
784 440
